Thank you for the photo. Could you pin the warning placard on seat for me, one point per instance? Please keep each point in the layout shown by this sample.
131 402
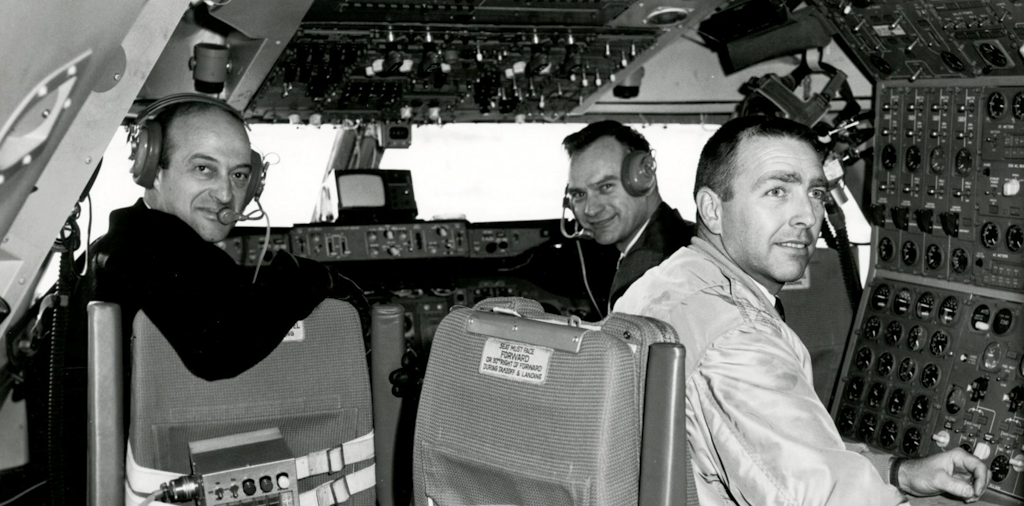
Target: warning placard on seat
515 361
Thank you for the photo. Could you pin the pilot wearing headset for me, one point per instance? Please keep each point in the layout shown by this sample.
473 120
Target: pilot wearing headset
192 156
613 192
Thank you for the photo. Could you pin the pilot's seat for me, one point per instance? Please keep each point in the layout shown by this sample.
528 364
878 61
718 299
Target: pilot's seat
314 387
528 408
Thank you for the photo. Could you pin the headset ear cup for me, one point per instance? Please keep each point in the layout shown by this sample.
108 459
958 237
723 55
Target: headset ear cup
146 153
256 178
638 169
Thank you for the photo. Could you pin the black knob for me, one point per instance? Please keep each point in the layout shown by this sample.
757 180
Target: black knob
249 487
266 484
924 220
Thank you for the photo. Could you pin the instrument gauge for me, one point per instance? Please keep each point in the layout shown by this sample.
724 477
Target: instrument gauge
847 419
938 343
863 359
1000 468
880 297
897 400
930 375
1014 238
888 434
933 256
908 253
889 157
1018 105
937 160
907 370
913 160
980 318
911 441
1003 322
925 305
948 309
867 426
915 338
871 327
886 249
885 364
996 105
901 303
876 394
989 235
919 409
959 261
893 333
855 389
963 162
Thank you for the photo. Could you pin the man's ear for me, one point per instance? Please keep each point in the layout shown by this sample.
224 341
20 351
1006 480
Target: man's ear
709 206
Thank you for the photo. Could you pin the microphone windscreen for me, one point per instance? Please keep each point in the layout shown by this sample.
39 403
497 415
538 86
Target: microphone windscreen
228 217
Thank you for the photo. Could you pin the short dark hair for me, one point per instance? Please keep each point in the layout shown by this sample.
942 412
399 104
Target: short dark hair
717 165
576 142
169 116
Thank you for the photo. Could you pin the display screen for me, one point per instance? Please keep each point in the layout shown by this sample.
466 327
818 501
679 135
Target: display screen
361 190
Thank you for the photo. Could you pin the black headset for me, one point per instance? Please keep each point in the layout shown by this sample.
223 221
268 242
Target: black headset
147 139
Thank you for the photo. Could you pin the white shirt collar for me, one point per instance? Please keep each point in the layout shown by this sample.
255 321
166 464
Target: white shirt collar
764 290
633 241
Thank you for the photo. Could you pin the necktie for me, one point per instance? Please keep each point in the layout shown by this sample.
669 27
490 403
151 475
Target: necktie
779 308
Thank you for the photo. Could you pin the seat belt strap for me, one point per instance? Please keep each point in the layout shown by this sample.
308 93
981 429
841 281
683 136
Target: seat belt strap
340 490
333 460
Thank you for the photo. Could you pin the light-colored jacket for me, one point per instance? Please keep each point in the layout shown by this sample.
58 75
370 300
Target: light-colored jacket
757 432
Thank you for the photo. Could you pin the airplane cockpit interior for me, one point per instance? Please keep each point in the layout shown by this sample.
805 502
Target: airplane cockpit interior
489 369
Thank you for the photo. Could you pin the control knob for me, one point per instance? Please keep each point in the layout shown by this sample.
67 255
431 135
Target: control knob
941 439
1011 187
982 451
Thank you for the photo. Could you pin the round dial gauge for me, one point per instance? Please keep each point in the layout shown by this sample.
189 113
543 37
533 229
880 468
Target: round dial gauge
919 409
888 434
847 419
886 249
863 358
930 375
1000 468
1014 238
913 160
907 370
855 389
901 304
925 305
889 157
996 105
876 394
893 333
867 426
964 162
897 400
958 260
1018 105
880 297
933 256
937 160
908 253
938 343
915 338
948 309
871 327
885 364
911 441
989 235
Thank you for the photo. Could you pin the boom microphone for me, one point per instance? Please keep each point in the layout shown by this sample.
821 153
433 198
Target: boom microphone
228 217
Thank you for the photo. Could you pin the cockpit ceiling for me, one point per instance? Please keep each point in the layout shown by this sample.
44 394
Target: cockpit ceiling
445 61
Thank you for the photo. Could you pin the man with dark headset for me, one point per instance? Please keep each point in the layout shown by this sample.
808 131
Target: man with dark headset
613 192
192 155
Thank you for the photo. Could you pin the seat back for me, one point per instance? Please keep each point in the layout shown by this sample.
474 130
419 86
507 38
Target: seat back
315 390
534 409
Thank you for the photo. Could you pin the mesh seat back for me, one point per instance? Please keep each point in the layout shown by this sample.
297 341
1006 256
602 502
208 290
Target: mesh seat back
573 440
316 391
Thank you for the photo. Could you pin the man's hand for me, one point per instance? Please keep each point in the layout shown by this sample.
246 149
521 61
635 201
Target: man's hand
954 472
